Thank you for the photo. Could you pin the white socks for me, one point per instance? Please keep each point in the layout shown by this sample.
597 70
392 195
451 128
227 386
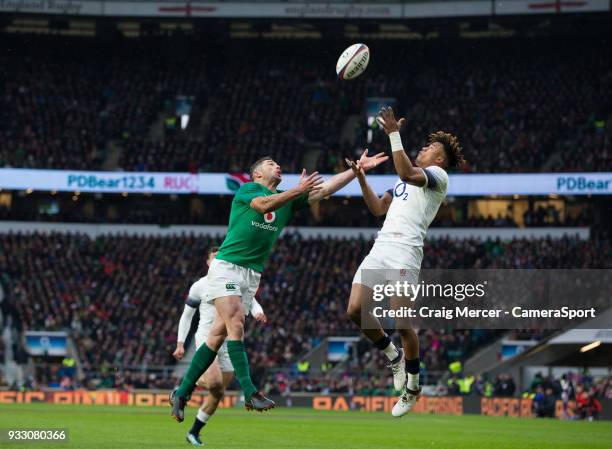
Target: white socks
413 381
203 417
391 352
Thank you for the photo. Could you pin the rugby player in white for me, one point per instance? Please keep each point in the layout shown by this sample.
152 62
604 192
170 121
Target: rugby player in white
220 374
410 206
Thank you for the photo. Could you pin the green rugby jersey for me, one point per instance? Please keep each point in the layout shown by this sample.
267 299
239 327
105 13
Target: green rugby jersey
251 235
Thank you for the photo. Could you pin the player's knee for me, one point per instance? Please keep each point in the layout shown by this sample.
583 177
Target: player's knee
216 390
237 320
214 342
236 324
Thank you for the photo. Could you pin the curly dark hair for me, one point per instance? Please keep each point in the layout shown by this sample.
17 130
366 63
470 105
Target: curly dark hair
212 249
452 148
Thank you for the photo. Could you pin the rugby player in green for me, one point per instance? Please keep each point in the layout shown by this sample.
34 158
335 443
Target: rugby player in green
258 215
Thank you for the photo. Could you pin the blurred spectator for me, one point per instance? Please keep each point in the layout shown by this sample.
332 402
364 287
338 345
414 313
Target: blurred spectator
504 385
587 405
120 296
68 101
483 386
544 403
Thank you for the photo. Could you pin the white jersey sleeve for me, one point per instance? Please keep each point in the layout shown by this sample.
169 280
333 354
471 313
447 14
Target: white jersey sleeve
185 323
197 292
196 295
195 298
437 179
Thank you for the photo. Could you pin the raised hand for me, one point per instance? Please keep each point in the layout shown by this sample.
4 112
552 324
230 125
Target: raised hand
357 168
310 183
386 119
368 163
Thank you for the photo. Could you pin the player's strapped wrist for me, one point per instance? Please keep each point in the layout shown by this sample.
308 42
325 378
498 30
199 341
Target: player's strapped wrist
396 141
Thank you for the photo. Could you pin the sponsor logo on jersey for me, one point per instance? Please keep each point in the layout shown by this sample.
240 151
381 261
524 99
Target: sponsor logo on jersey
230 286
265 227
270 217
400 189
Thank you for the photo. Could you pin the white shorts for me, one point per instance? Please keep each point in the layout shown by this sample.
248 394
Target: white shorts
222 355
389 262
228 279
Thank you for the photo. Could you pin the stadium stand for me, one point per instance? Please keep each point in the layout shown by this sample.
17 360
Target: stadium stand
336 212
121 296
545 107
66 99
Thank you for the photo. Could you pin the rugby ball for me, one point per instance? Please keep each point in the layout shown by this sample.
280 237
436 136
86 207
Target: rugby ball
353 61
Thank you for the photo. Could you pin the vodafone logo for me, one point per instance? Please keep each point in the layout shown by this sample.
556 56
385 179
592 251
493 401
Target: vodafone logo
270 217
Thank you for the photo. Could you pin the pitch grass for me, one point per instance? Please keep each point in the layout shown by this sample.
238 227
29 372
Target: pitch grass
134 427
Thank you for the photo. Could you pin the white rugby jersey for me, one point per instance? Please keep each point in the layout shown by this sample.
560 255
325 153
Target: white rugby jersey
414 208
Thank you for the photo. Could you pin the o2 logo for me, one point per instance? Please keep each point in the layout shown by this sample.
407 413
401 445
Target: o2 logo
400 191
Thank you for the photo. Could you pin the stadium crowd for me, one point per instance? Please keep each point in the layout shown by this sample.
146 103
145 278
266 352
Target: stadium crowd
336 212
580 393
121 296
542 107
65 99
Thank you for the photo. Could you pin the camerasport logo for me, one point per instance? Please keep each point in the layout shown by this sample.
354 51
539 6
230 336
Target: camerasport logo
270 217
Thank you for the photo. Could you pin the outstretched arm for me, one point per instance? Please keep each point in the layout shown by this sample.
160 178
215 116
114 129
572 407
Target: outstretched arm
331 186
404 168
340 180
265 204
378 206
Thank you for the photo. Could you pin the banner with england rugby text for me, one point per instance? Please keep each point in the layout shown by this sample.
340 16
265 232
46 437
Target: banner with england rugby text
310 10
596 183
